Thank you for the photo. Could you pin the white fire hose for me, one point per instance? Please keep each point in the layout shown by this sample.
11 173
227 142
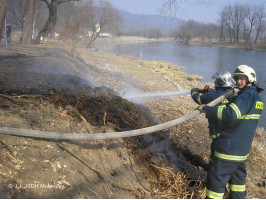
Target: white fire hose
113 135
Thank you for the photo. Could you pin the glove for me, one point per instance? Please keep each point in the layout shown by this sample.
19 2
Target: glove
205 89
201 108
195 90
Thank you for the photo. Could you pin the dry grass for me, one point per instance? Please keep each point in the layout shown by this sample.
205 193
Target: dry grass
172 72
176 185
258 150
256 165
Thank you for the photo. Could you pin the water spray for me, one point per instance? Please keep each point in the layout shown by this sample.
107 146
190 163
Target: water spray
157 94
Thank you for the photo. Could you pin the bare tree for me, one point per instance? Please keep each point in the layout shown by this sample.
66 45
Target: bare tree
88 18
52 19
72 21
170 7
238 20
40 18
233 19
155 33
260 23
16 13
193 29
102 18
28 22
67 15
222 28
242 20
184 33
3 9
227 19
251 17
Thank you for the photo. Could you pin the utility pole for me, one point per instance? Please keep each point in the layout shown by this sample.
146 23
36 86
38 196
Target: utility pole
5 33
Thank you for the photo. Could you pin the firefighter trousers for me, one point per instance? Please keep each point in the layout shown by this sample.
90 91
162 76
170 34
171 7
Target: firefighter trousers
220 173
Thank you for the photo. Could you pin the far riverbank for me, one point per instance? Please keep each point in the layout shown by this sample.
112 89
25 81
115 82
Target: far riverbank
226 44
195 41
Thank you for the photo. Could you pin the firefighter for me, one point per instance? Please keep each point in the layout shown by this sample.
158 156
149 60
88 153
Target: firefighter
223 82
239 119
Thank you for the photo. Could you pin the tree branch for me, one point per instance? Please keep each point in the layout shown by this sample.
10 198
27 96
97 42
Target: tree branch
47 3
65 1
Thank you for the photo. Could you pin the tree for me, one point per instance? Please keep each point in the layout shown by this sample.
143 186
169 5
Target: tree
238 20
52 19
101 19
16 13
222 28
233 19
172 6
28 22
242 20
155 33
260 23
184 32
88 18
251 17
193 29
3 9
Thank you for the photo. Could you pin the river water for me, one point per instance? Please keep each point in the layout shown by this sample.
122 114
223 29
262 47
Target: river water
198 60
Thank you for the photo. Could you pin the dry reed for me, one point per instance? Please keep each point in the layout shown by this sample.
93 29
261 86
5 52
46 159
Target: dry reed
176 185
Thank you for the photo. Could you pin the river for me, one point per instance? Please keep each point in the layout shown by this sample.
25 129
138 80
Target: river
199 60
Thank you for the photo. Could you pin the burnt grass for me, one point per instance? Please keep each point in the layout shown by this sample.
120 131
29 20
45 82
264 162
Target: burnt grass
64 90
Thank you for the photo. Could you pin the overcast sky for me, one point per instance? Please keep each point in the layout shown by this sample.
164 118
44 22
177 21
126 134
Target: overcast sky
206 11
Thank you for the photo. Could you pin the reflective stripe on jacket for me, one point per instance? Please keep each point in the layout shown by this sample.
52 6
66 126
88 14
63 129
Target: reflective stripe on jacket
205 98
239 122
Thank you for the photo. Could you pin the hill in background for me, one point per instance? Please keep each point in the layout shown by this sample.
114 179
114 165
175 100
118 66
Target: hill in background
139 21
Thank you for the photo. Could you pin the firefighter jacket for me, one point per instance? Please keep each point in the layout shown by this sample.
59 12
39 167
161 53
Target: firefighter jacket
205 98
239 119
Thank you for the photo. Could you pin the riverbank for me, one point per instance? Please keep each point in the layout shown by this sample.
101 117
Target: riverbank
192 136
226 44
150 173
194 41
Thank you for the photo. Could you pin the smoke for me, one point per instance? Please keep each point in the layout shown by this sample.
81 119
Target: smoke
164 145
68 69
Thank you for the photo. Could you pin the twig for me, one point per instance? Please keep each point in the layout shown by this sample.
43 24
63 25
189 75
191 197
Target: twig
104 118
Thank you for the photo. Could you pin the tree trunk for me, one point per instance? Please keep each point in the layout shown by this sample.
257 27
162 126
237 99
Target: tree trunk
3 9
52 19
51 22
28 22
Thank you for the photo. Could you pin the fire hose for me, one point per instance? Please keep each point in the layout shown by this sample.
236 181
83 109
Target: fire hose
113 135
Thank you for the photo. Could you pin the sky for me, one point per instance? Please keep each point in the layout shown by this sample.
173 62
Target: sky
206 11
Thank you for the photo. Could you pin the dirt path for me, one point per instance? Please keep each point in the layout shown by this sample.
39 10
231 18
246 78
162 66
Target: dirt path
47 88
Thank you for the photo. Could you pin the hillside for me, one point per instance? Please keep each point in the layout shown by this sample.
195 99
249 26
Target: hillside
138 21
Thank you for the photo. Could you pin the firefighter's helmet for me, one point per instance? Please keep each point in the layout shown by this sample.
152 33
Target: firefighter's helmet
224 79
246 71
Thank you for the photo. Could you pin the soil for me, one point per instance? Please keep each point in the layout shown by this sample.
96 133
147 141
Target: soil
49 88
